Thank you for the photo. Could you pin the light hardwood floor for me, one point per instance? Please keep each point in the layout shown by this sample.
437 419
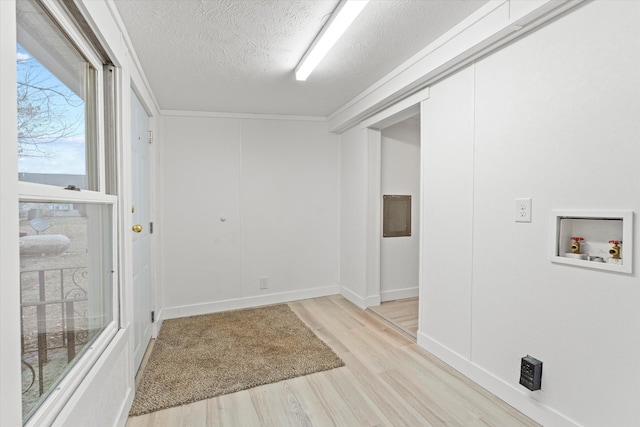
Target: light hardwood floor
401 314
387 381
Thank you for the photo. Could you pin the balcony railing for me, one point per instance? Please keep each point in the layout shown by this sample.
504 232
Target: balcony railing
53 310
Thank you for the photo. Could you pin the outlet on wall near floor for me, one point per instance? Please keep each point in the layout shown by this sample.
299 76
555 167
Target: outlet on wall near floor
264 282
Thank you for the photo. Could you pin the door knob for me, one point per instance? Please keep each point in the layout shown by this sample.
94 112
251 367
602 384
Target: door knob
137 228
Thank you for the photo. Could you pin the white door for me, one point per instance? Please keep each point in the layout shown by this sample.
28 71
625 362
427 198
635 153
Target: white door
141 229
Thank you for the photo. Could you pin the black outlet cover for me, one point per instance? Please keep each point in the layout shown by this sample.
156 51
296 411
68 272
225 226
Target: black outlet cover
531 373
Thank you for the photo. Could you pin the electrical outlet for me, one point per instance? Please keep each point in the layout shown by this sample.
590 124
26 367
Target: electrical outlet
264 282
523 210
531 373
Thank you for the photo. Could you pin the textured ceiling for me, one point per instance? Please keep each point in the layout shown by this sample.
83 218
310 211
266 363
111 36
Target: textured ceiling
238 56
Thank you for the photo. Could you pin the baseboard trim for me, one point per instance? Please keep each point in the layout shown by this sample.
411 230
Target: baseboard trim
523 400
239 303
399 294
359 301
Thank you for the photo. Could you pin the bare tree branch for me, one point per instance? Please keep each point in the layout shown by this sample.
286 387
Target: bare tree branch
47 109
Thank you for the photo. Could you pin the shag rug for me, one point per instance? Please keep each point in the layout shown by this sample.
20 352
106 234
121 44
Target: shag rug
200 357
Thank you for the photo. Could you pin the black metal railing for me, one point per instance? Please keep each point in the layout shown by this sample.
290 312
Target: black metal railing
53 312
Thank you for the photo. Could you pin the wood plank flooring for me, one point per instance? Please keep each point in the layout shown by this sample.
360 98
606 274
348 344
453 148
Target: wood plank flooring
402 314
387 381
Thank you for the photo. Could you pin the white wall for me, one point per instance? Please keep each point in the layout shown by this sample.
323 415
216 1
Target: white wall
276 184
104 397
553 116
447 163
400 174
353 214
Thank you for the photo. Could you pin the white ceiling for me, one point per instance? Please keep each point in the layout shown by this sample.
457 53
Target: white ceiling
238 56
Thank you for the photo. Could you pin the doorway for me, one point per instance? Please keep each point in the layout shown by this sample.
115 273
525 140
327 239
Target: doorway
141 231
399 252
394 123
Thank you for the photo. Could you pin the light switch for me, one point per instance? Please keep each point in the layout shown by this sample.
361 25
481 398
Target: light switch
523 209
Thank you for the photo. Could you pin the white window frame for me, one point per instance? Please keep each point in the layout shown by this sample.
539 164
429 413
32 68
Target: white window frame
60 16
33 192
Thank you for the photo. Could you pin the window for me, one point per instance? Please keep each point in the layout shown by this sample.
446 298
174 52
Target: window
56 105
66 265
68 291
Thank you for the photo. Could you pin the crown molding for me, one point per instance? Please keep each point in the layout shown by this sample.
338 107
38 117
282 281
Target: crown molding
489 28
255 116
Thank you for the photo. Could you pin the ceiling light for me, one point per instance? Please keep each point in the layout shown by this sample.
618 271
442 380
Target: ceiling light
341 18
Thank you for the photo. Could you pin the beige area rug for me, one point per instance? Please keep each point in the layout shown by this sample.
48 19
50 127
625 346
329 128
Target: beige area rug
200 357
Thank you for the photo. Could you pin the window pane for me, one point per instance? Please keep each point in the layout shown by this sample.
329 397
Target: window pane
56 104
65 287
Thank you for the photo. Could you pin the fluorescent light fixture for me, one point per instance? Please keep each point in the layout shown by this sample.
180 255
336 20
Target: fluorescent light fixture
341 18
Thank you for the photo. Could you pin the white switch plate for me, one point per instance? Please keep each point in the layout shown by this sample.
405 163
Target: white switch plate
523 209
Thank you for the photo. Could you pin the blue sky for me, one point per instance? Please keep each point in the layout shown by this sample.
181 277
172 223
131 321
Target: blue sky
64 156
61 155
